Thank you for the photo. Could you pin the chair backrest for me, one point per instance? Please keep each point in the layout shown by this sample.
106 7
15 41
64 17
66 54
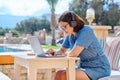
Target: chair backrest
112 50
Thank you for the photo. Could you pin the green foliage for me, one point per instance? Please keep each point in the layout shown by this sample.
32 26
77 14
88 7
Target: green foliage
98 6
50 46
119 22
4 30
15 33
31 25
7 30
45 24
112 16
52 4
79 7
109 15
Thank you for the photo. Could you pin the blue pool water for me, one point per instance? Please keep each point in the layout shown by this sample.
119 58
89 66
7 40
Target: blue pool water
3 49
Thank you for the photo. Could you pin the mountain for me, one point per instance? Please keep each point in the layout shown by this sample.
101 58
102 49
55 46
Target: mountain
9 21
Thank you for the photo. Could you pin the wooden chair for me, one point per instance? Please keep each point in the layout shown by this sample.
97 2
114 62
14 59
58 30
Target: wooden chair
112 49
115 77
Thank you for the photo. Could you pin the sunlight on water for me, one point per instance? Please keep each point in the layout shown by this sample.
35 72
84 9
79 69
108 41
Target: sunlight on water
4 49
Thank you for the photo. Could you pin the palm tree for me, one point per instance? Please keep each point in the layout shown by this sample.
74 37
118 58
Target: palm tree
53 24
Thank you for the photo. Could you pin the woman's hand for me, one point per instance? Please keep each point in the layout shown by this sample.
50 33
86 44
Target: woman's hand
50 52
54 53
61 51
65 54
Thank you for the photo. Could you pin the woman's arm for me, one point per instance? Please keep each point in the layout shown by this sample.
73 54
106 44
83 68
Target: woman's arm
76 51
61 51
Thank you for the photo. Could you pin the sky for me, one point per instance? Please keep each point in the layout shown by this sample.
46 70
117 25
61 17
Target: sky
30 7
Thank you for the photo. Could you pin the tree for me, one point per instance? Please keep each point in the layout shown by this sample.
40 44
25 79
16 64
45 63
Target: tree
31 25
79 7
2 32
106 11
112 15
53 24
98 6
45 24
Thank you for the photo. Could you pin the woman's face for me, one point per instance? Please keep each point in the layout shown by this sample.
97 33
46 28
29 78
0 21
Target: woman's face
66 27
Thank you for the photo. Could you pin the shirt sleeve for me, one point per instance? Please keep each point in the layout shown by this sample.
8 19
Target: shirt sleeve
66 42
85 38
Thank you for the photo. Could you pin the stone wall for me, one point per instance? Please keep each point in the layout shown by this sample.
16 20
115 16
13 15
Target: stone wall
9 71
13 40
41 34
1 40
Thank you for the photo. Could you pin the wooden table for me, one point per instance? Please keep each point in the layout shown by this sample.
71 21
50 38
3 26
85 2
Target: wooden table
33 63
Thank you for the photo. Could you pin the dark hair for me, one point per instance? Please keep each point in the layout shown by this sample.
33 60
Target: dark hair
67 17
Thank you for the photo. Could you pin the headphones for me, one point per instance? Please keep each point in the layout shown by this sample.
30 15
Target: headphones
73 21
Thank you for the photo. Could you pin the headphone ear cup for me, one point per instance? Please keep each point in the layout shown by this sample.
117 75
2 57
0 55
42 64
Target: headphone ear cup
73 23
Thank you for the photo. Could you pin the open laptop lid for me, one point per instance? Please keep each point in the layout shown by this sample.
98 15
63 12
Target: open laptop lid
36 46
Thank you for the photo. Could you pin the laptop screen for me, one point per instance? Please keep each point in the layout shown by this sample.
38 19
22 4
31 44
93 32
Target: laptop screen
35 45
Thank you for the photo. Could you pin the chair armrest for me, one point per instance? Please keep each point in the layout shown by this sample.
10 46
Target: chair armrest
115 72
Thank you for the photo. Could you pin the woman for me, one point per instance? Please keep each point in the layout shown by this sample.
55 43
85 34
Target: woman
82 42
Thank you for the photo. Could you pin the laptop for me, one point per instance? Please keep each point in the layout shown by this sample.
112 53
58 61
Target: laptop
37 48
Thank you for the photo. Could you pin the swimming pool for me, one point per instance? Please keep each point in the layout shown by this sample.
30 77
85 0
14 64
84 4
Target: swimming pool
4 49
7 50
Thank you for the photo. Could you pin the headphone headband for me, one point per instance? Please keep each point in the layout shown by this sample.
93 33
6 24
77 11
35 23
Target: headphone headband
73 21
72 16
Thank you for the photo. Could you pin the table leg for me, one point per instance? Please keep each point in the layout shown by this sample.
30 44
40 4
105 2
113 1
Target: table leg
48 75
71 70
17 69
32 73
67 75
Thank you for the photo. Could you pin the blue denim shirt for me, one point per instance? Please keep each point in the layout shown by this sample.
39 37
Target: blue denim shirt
92 56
